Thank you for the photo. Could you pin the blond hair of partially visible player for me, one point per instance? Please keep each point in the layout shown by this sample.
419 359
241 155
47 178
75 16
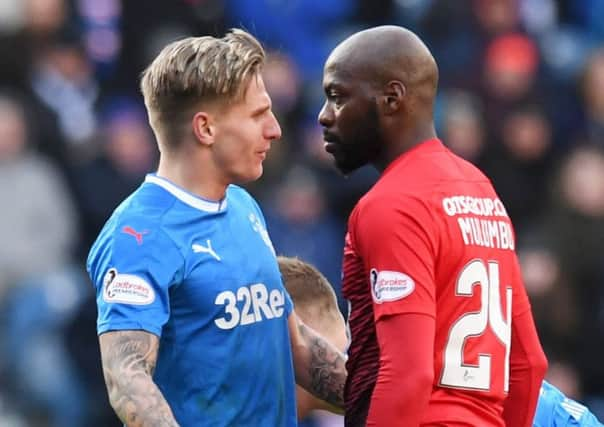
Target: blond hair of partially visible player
316 305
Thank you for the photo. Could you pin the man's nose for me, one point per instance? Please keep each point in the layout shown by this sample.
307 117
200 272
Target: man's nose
325 115
274 129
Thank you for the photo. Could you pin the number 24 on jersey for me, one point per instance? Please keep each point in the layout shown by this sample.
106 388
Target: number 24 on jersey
456 373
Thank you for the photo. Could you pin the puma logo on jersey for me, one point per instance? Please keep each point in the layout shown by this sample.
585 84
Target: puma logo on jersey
138 235
197 248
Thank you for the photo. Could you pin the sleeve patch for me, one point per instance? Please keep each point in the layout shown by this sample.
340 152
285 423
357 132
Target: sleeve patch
390 285
126 289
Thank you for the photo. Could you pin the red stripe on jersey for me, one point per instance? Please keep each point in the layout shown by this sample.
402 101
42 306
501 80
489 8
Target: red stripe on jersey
363 354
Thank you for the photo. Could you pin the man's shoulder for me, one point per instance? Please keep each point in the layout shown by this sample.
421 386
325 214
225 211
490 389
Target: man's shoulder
137 221
145 206
441 167
557 410
397 191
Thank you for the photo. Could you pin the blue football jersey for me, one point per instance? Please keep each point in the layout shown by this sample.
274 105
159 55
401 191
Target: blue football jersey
556 410
203 277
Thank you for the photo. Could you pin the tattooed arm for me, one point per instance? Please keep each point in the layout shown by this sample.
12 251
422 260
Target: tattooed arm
319 366
129 359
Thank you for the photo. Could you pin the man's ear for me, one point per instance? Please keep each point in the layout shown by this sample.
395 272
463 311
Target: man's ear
393 97
204 128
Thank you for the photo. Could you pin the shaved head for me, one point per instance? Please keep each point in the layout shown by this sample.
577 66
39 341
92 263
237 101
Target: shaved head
382 54
380 86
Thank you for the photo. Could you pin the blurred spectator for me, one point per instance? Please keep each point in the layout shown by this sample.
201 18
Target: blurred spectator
63 79
462 128
142 35
34 21
282 81
519 163
102 37
510 67
35 204
451 33
592 89
11 15
127 153
574 234
459 32
538 16
495 17
509 78
39 286
300 225
554 308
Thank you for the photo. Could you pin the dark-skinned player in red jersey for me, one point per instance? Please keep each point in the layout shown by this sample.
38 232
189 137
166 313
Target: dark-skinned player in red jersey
442 330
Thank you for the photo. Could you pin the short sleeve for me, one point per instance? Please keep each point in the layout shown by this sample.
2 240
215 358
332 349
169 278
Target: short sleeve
133 268
395 239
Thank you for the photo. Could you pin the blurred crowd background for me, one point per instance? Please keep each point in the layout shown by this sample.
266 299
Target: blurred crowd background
521 95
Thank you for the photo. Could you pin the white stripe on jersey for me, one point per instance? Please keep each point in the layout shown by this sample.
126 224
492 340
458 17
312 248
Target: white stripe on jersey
576 410
188 198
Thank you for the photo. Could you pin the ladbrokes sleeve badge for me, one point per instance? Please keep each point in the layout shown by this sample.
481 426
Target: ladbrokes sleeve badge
126 289
390 285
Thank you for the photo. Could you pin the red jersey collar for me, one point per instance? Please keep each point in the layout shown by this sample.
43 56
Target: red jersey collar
426 146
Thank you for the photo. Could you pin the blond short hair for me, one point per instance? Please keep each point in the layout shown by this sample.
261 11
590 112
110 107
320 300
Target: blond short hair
310 291
197 71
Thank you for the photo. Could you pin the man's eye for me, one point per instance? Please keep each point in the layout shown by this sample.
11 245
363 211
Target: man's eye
335 98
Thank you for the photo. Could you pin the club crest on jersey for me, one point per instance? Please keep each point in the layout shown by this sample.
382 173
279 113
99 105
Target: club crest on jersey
258 227
126 289
390 285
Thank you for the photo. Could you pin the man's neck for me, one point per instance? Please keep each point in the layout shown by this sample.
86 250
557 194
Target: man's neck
195 177
403 142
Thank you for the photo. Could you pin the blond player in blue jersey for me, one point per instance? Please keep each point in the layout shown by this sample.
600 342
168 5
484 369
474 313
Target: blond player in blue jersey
194 324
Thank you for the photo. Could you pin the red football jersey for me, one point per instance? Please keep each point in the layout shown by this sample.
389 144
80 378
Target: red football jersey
432 237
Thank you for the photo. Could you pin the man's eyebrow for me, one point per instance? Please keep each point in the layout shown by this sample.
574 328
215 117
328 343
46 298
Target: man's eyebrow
261 109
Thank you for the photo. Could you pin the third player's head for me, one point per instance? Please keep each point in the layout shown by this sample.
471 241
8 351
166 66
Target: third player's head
379 86
315 304
206 100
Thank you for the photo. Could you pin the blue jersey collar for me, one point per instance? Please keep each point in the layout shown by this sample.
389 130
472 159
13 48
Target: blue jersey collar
186 197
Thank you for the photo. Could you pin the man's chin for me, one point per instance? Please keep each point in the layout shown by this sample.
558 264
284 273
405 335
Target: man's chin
346 169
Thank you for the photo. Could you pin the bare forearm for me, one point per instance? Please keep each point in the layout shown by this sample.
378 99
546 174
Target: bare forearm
139 403
322 370
129 359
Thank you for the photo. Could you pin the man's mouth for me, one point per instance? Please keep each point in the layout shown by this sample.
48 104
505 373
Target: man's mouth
331 142
330 146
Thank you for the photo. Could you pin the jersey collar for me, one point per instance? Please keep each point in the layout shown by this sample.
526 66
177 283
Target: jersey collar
186 197
428 145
